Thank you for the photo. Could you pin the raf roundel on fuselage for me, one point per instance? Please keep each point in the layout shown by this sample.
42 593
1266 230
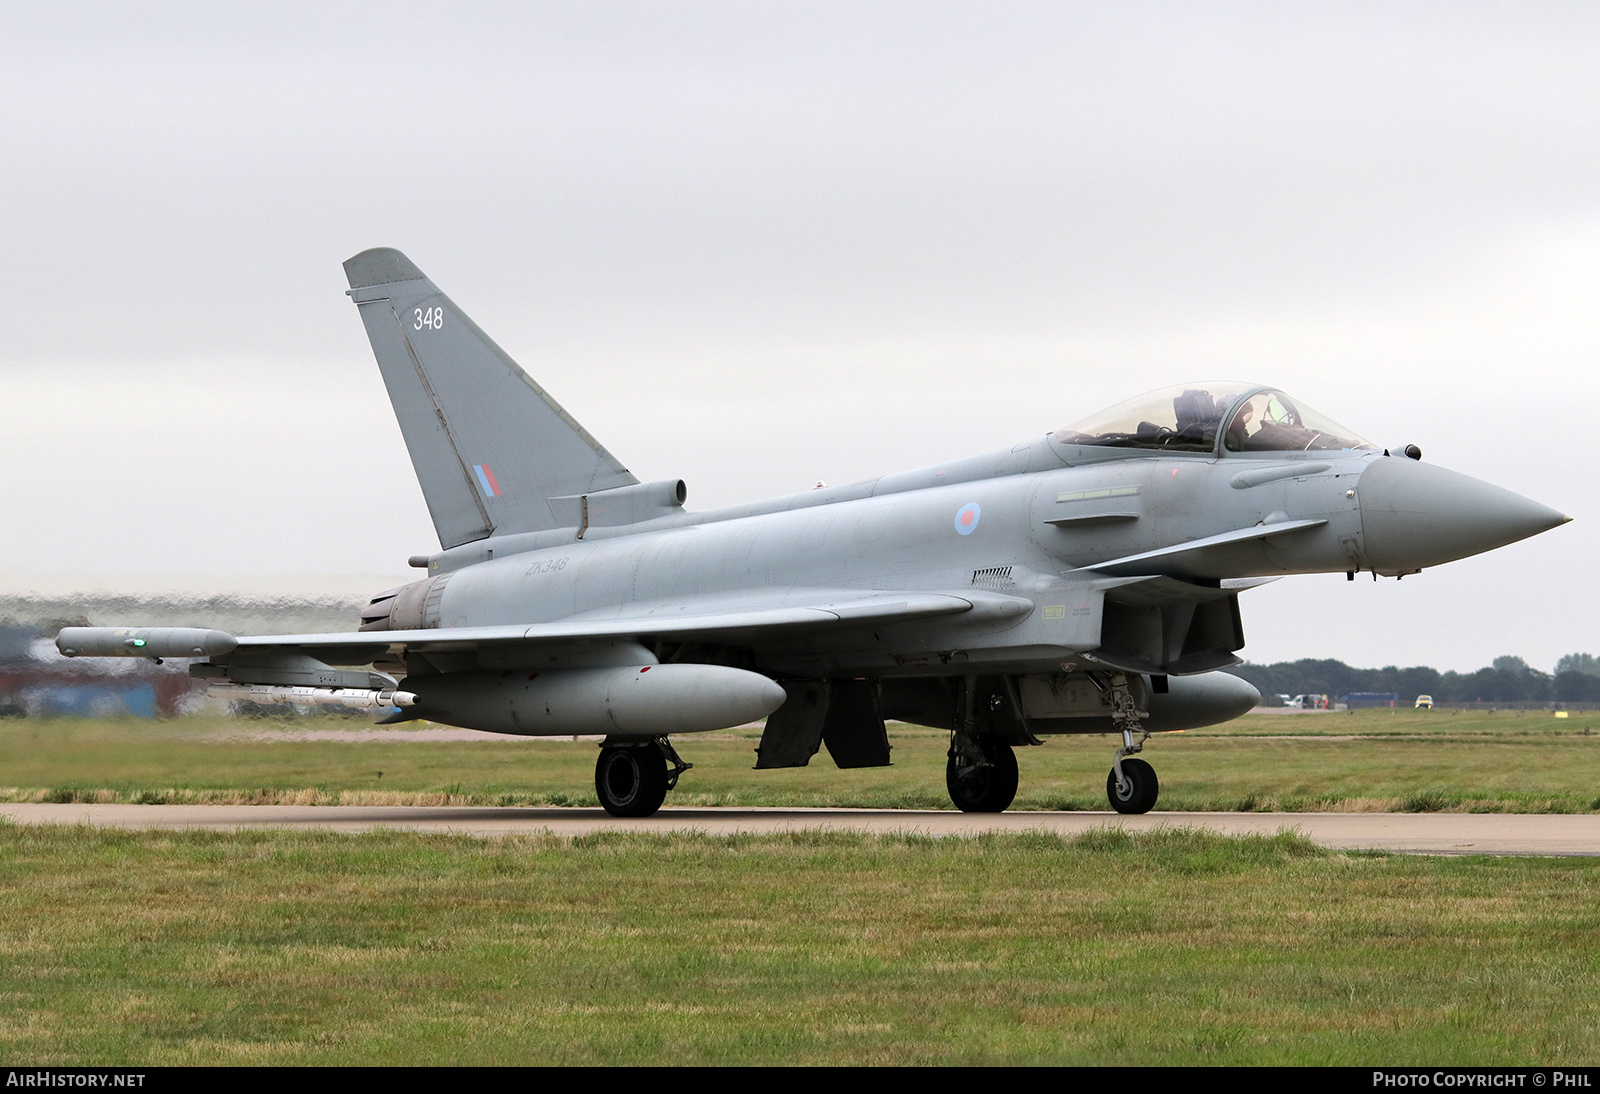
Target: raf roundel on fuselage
1190 417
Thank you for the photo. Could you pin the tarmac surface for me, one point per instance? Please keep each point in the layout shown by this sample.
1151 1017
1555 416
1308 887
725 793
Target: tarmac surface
1419 833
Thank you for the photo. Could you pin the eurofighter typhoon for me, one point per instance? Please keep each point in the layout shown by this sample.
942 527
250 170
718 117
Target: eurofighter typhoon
1086 581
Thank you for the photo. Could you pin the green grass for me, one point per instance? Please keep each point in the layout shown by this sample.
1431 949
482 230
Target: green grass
1368 760
144 948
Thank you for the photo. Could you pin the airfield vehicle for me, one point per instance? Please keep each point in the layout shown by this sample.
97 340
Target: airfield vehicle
1308 702
1424 702
1086 580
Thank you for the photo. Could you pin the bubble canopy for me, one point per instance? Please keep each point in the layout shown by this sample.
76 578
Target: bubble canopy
1190 417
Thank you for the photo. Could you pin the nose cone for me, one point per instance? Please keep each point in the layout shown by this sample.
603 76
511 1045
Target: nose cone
1205 700
1415 515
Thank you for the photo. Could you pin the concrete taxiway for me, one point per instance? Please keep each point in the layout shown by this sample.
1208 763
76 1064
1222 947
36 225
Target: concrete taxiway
1422 833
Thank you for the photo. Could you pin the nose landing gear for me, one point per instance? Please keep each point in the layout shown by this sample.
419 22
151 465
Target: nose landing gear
1132 786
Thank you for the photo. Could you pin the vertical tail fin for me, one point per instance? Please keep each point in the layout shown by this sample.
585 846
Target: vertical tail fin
488 444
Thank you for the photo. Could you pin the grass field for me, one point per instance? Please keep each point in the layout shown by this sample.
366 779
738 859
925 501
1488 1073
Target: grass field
1175 948
1376 760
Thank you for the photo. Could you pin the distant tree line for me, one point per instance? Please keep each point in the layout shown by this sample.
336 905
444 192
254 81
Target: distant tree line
1509 679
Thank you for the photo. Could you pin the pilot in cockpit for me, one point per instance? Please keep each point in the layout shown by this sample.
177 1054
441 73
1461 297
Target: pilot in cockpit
1188 419
1239 428
1269 422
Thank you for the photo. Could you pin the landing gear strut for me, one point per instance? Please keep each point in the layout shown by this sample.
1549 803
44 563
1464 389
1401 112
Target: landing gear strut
1132 785
631 777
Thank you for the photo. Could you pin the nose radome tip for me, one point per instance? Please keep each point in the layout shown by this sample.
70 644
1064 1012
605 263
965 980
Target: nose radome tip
1415 515
1548 518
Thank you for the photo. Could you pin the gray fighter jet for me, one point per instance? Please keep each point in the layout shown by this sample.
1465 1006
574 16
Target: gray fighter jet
1085 581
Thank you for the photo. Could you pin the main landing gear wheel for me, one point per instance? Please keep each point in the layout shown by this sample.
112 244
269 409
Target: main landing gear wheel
985 786
1139 789
631 779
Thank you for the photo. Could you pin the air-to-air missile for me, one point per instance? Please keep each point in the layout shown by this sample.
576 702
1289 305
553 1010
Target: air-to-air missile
1084 581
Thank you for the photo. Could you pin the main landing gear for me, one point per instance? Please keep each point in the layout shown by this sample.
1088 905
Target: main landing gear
981 773
631 776
1132 785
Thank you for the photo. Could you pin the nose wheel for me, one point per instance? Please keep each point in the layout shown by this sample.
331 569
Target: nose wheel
1137 791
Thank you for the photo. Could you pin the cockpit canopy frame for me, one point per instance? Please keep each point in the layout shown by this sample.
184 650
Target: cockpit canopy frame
1189 418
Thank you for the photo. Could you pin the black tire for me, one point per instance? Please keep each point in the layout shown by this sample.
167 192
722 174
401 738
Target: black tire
631 782
986 788
1142 790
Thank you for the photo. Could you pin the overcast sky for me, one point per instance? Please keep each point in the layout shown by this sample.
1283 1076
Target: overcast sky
759 244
